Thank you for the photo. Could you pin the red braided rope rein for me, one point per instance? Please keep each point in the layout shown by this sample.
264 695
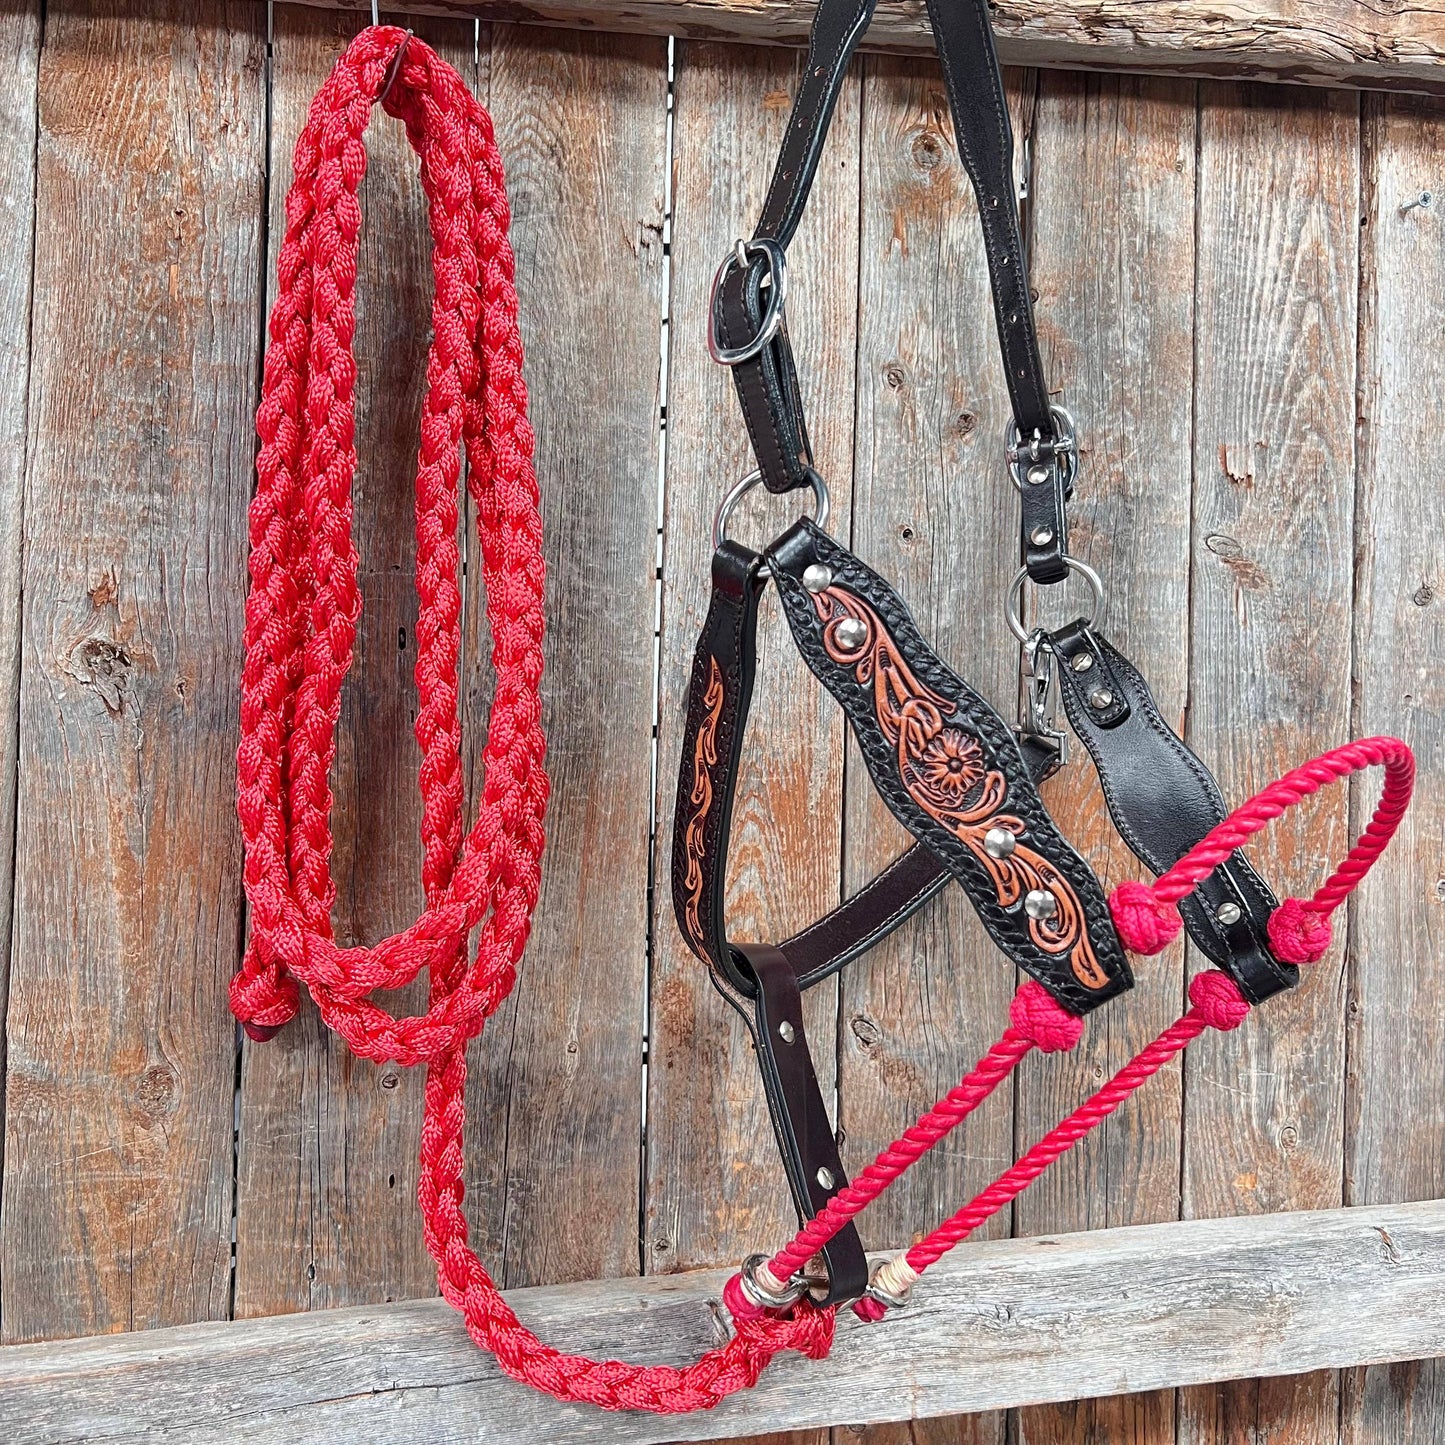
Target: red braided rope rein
301 618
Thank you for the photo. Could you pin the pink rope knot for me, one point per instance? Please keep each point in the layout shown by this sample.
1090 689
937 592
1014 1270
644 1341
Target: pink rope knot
1146 923
1217 1000
1043 1021
869 1310
1298 932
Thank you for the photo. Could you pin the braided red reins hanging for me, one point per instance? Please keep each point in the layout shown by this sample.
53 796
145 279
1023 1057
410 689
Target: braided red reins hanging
301 619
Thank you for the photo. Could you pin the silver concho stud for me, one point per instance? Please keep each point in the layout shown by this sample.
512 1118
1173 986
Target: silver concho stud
999 842
1040 904
1101 698
851 633
1229 913
817 578
824 1177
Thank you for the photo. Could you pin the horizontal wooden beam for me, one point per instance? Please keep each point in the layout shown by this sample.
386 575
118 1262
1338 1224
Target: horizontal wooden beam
1012 1322
1306 42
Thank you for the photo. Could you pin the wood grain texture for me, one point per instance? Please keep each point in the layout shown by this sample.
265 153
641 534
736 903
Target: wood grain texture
1114 164
715 1185
922 1006
556 1097
118 1187
1312 42
997 1323
1396 1114
327 1147
1279 185
19 65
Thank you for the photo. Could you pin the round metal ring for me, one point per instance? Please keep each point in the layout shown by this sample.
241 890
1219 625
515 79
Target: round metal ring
1016 595
777 294
821 504
1014 449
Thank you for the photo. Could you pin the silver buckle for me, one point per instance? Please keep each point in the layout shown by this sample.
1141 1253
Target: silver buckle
777 283
1027 456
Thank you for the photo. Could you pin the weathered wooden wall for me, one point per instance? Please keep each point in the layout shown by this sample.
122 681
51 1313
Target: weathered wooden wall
1234 305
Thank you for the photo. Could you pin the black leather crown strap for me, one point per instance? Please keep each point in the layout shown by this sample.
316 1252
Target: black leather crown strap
1163 800
949 769
767 382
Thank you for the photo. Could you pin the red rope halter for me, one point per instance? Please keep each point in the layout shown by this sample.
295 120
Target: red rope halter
301 619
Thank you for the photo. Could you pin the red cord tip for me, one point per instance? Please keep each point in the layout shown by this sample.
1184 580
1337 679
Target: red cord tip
1299 933
740 1307
869 1310
1145 923
261 1032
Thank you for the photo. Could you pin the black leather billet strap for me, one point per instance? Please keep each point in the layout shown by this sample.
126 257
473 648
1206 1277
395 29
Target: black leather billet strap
949 769
963 35
767 385
1163 800
800 1119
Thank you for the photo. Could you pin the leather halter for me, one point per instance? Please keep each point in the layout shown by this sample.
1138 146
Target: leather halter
951 770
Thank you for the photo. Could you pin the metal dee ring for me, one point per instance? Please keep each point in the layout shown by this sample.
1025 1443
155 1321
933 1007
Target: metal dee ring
1016 595
777 294
1066 449
728 505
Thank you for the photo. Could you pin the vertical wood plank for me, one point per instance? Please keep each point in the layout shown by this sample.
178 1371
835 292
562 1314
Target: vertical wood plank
1396 1116
326 1190
118 1192
715 1187
1277 281
557 1087
19 64
933 514
1115 182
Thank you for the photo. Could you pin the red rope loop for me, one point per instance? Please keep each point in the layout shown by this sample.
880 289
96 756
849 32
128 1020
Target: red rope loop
304 603
301 619
1146 914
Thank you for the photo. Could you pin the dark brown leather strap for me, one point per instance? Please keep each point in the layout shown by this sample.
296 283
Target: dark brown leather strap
800 1119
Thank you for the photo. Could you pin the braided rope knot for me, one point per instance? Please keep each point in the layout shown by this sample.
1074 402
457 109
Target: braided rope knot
1217 1000
1042 1020
1298 932
1146 923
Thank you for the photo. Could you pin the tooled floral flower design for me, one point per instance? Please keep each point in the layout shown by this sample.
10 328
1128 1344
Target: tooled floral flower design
951 764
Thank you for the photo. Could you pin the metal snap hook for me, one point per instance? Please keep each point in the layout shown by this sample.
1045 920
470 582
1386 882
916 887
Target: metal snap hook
821 504
1016 595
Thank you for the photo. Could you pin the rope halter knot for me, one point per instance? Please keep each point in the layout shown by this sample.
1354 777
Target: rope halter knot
1147 916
